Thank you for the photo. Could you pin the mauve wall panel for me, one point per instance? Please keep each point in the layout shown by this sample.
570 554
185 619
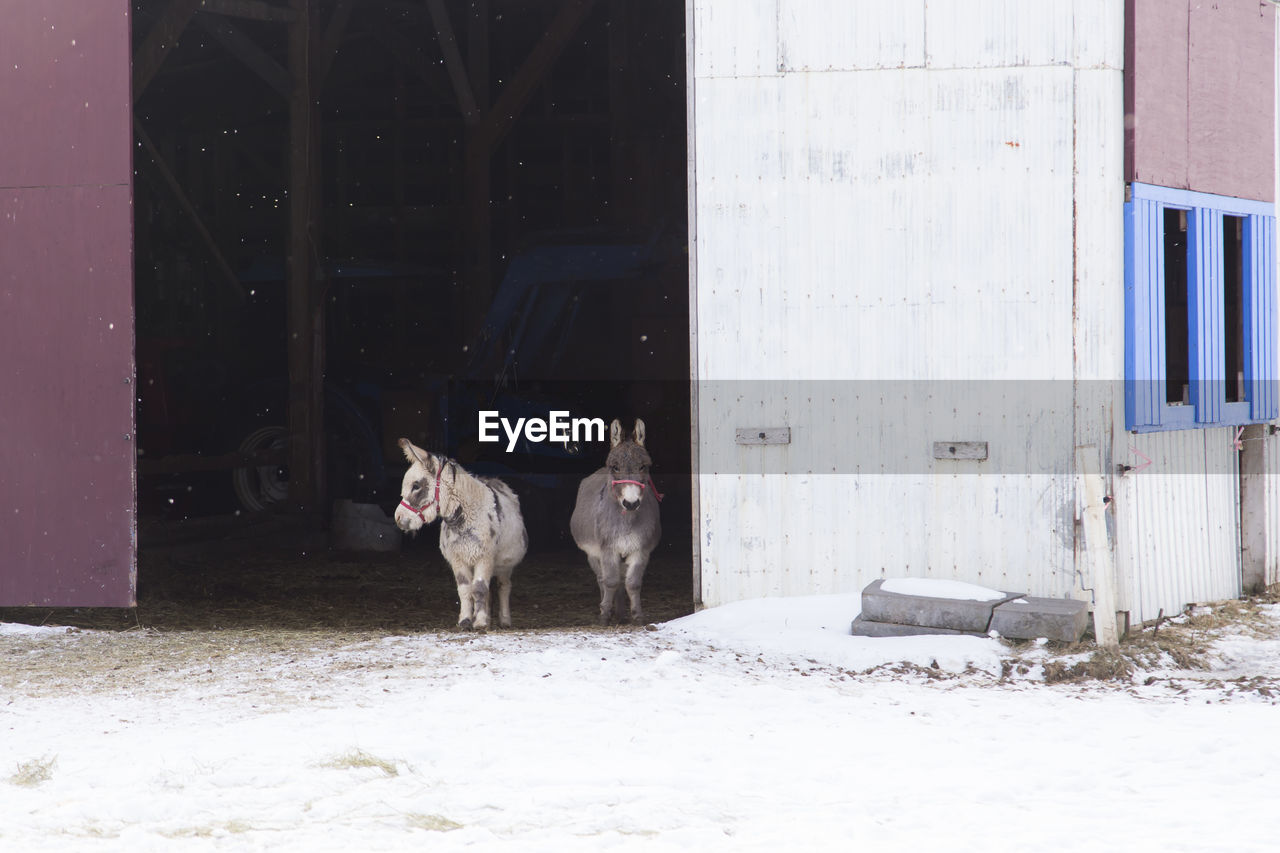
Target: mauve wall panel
66 307
1200 96
64 88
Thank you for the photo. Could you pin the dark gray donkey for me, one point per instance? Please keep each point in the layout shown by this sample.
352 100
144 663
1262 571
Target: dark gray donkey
615 522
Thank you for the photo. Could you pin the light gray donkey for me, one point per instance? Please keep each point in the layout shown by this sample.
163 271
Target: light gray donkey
482 533
615 522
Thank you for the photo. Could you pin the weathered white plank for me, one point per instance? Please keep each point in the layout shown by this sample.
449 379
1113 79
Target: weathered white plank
735 38
896 243
850 35
1000 33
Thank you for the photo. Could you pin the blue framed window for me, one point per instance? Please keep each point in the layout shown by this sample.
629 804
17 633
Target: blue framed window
1200 310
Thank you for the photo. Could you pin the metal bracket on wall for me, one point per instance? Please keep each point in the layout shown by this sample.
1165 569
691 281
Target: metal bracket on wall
976 450
763 435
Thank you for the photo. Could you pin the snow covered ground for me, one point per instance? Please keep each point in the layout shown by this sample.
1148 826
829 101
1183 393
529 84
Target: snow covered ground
756 726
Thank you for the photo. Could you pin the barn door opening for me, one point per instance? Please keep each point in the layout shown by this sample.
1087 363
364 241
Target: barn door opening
66 307
499 203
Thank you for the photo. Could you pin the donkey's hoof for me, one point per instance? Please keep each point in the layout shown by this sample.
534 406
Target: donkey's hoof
603 621
464 624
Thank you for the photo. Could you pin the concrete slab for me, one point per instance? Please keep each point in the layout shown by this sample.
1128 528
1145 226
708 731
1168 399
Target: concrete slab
1027 618
863 627
961 615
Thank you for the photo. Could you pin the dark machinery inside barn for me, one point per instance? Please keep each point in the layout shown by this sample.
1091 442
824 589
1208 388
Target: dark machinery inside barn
360 219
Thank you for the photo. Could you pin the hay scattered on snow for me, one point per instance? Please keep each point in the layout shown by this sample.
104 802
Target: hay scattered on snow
35 772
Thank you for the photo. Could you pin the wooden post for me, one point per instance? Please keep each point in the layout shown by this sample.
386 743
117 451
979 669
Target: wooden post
477 221
305 307
1098 547
1253 509
484 137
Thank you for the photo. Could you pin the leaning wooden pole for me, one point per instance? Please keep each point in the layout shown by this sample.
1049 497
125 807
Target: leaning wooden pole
1093 507
305 317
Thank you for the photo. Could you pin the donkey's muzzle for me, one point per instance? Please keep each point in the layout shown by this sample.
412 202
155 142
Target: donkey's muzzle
631 506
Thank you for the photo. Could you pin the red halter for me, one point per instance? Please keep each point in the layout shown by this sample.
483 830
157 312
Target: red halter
656 493
435 500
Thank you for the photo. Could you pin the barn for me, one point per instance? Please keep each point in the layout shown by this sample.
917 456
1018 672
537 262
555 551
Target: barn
969 289
957 260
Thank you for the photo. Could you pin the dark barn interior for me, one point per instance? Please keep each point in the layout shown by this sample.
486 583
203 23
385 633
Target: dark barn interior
358 220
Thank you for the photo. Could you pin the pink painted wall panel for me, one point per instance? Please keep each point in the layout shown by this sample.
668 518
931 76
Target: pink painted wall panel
1200 96
1156 92
1231 91
67 497
65 92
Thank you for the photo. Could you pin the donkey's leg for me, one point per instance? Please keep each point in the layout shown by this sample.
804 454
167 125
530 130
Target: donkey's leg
480 593
636 564
463 578
504 600
610 576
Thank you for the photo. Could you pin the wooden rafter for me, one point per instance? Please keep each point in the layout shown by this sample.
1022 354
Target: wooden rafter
161 39
244 49
330 41
453 61
254 10
516 94
229 276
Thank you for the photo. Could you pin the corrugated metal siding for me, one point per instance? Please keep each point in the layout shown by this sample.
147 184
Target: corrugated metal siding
903 221
1183 521
1271 461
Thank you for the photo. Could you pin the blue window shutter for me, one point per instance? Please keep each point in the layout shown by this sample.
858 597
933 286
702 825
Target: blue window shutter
1204 309
1144 313
1260 318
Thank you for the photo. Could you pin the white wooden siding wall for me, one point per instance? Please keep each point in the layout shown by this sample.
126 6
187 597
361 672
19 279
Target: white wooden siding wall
889 191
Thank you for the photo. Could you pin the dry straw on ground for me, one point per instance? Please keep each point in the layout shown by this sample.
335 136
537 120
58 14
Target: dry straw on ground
35 772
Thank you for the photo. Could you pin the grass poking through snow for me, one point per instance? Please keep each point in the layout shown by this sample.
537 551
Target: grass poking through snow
34 772
432 822
356 758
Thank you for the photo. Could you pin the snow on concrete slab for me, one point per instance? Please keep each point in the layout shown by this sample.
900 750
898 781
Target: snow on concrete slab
816 628
939 588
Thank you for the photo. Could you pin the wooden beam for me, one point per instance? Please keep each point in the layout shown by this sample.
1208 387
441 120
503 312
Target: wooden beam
229 276
254 10
478 52
516 94
1102 579
453 61
189 463
331 41
304 304
484 137
162 38
247 51
404 51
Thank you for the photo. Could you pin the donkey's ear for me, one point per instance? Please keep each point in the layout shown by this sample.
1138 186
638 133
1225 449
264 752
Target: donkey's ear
615 433
639 432
414 454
